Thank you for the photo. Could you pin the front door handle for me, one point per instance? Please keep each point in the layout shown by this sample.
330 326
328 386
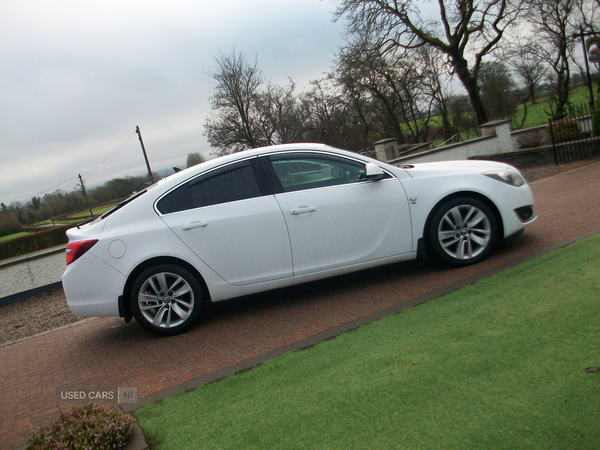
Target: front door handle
194 225
303 209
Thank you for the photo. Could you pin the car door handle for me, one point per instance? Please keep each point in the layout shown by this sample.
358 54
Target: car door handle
194 225
303 209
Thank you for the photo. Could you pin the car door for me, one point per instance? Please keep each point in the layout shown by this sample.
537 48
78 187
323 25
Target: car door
335 217
231 222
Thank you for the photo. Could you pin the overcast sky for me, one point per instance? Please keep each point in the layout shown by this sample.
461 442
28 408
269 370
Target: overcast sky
77 77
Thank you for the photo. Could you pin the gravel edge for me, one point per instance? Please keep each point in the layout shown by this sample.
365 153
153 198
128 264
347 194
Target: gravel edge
34 315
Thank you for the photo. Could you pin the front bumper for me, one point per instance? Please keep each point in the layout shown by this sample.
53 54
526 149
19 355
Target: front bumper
515 206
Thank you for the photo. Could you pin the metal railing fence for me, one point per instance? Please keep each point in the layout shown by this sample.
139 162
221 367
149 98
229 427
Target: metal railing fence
576 135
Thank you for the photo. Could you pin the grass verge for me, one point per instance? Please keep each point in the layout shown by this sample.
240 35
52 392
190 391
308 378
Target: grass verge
497 364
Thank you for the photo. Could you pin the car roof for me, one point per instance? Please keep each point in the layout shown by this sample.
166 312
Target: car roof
191 172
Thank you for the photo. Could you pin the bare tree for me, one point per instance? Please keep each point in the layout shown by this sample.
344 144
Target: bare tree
283 118
327 114
9 221
554 22
497 90
590 14
436 85
232 124
35 203
358 99
462 118
366 69
394 83
589 11
465 31
247 112
528 68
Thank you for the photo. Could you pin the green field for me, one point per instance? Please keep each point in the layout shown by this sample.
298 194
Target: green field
70 219
13 236
76 217
537 114
500 364
96 212
57 222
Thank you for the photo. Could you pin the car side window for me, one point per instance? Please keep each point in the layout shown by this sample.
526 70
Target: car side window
235 182
307 171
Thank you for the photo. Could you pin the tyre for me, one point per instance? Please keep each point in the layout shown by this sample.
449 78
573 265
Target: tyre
166 299
462 231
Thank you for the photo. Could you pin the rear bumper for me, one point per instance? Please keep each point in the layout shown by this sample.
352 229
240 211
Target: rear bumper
92 287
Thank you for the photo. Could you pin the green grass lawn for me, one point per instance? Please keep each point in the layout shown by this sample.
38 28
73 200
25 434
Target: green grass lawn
497 364
57 222
78 217
96 211
12 236
72 219
537 114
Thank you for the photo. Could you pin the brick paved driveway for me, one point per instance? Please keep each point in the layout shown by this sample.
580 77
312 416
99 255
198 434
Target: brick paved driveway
106 352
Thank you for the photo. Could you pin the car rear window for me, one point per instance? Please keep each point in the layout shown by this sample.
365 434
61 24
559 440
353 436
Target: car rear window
235 182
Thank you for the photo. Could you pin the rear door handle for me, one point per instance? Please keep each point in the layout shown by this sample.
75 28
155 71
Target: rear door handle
194 225
303 209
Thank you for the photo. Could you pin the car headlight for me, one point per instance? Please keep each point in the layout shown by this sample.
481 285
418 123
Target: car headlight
506 176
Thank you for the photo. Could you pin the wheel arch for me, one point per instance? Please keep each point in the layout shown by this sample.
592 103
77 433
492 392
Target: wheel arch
153 262
476 195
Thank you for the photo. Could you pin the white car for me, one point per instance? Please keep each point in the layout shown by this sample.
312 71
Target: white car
277 216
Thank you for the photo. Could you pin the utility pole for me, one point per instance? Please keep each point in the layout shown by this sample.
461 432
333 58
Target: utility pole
50 208
137 130
85 195
581 34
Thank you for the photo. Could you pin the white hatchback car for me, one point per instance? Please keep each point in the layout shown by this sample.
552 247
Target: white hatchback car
277 216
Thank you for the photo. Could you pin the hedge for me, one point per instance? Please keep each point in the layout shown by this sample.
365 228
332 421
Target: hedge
33 242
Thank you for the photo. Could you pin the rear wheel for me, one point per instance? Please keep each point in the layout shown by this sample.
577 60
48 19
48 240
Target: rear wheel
166 299
462 231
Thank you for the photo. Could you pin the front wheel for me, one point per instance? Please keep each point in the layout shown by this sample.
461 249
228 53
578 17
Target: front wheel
166 299
462 231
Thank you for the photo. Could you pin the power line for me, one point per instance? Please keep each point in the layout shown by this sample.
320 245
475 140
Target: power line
103 164
55 186
112 156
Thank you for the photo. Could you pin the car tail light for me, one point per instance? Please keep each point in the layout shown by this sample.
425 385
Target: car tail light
77 249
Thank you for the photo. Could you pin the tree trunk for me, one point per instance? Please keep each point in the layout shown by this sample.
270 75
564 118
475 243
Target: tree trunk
470 84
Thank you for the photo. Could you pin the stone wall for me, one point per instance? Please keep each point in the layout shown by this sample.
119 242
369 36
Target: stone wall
497 143
495 139
538 156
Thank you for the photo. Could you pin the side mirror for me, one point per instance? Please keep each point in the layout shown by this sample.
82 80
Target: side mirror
373 172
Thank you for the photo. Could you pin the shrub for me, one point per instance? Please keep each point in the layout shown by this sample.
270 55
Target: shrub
40 240
565 130
9 223
89 426
531 139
